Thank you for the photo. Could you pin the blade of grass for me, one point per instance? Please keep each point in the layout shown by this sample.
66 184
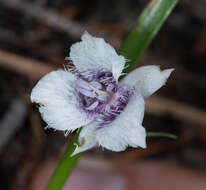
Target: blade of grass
147 26
162 134
138 39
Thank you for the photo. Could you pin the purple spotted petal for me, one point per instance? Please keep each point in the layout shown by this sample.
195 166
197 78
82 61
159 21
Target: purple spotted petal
101 98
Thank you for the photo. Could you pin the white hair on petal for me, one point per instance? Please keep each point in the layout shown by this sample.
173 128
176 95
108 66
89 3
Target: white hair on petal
119 134
56 92
147 79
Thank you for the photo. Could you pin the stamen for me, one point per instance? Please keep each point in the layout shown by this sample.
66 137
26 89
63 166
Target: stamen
103 97
83 84
96 84
87 93
92 106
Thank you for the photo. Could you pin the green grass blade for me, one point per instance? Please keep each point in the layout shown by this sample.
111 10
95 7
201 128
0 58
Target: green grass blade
147 26
162 134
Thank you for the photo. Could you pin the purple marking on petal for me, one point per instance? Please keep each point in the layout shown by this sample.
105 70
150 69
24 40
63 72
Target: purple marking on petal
117 105
101 97
110 87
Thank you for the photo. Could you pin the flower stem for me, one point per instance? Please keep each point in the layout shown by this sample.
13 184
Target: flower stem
65 166
148 24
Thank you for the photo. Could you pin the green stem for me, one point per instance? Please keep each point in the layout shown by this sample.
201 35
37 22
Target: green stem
147 26
138 39
161 134
65 166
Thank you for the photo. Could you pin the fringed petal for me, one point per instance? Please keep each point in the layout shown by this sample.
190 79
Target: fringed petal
147 79
57 103
126 130
95 54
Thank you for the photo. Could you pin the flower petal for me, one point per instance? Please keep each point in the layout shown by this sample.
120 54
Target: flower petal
58 107
126 130
87 139
94 53
147 79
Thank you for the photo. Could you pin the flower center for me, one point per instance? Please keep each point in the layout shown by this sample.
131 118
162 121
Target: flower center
101 97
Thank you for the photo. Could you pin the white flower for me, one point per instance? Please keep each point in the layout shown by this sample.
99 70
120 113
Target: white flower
110 112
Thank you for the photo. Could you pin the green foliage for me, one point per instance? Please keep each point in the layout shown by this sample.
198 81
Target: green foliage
65 166
145 29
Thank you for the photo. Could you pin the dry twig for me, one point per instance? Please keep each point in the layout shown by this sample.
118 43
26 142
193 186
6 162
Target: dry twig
160 105
25 66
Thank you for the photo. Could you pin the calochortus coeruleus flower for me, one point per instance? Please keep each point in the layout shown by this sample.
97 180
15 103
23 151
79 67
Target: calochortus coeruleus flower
90 96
